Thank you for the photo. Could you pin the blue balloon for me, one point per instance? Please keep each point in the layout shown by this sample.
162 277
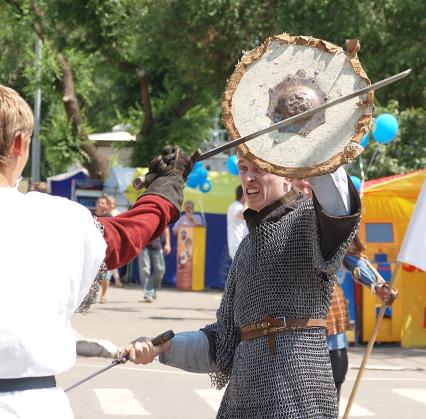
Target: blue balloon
192 180
197 165
206 186
385 128
365 140
201 173
357 182
232 166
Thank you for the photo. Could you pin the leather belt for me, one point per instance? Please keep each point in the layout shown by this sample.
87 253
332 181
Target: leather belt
270 326
26 383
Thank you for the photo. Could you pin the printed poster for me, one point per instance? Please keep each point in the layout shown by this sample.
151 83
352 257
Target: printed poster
185 251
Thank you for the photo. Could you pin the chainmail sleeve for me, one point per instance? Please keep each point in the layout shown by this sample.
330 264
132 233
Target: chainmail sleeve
92 295
225 333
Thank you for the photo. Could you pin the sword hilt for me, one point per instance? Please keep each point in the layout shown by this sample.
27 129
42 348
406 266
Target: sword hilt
123 358
163 338
158 340
141 182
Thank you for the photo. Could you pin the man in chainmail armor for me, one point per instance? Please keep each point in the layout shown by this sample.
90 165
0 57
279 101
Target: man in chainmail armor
269 343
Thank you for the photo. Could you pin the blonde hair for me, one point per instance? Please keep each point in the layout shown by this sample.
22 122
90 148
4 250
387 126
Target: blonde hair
112 200
15 117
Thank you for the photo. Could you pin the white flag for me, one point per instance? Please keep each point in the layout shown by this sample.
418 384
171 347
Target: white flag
413 249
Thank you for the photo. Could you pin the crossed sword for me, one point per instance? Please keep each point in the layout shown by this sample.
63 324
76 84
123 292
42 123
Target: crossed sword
138 183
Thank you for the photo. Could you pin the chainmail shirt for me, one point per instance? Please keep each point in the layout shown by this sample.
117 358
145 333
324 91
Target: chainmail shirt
278 270
92 295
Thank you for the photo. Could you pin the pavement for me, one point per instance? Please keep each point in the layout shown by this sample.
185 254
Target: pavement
394 384
389 358
126 305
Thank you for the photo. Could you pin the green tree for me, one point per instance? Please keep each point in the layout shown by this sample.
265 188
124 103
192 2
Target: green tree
161 66
407 152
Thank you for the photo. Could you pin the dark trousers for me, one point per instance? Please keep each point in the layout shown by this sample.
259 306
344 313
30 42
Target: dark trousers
339 364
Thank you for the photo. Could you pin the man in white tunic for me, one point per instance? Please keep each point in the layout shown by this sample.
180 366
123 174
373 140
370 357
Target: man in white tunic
50 252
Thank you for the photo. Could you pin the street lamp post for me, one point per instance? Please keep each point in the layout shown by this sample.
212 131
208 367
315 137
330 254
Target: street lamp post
35 149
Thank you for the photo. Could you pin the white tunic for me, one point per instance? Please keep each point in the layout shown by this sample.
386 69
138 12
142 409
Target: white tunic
236 227
50 252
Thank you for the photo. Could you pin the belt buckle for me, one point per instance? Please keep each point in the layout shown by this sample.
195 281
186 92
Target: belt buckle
276 329
283 319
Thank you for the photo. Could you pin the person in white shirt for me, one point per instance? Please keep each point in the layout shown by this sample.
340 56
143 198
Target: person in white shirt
188 217
51 250
236 225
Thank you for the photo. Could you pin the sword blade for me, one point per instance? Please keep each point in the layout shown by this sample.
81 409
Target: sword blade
158 340
89 377
307 114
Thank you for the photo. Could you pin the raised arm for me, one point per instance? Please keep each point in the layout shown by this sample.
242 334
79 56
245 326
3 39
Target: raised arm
332 192
127 233
337 209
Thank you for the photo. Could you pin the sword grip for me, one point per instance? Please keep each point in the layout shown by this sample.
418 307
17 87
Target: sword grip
195 157
158 340
163 337
143 181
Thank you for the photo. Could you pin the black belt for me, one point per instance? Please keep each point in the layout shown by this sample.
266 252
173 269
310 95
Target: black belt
26 383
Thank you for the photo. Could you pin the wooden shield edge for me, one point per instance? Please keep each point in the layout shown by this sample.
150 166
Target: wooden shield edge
351 151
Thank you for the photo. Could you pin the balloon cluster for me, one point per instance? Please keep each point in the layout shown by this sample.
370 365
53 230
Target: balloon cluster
232 165
199 178
384 130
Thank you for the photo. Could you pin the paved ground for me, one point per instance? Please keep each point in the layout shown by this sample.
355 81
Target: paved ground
394 386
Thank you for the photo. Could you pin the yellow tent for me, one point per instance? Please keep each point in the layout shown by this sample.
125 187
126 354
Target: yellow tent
387 207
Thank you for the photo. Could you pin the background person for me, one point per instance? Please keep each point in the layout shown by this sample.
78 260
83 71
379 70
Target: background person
235 222
113 211
38 187
188 218
112 205
338 314
103 210
102 207
152 265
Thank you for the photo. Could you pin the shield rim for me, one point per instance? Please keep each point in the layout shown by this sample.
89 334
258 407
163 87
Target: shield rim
352 150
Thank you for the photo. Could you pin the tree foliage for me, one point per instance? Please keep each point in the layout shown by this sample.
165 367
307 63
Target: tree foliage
161 66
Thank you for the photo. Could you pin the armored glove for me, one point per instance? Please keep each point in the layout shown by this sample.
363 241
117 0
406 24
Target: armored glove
172 160
166 176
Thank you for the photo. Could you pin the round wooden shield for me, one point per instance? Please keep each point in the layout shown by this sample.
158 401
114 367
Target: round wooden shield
285 76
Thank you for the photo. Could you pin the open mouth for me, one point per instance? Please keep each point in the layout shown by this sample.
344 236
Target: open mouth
252 191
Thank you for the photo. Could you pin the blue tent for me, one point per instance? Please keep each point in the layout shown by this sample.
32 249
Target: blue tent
62 185
117 183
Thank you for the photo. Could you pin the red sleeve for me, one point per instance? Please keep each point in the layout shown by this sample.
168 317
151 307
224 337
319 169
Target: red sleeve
127 233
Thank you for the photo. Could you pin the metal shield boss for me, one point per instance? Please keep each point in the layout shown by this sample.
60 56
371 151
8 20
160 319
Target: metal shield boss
287 75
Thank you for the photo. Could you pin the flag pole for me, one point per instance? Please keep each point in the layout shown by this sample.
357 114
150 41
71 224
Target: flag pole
369 347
